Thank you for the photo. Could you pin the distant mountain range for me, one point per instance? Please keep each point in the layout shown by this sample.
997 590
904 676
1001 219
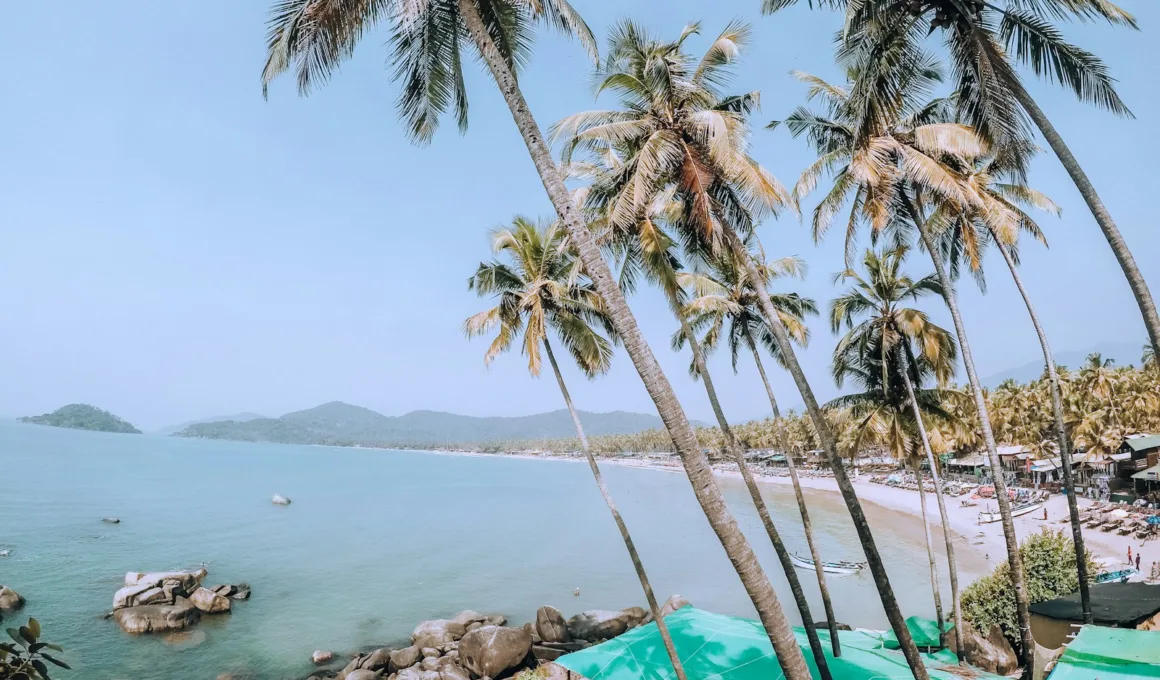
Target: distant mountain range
341 424
239 417
1124 354
83 417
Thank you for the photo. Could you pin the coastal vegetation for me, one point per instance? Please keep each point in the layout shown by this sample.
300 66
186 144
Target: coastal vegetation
83 417
24 657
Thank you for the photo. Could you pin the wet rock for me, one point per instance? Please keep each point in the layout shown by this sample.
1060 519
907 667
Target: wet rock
209 602
636 615
184 639
467 616
551 625
824 625
362 673
430 652
110 520
598 624
454 672
491 650
242 593
674 603
437 632
279 499
429 663
156 618
321 656
10 600
404 658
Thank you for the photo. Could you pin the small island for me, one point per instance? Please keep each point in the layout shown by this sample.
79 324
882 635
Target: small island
83 417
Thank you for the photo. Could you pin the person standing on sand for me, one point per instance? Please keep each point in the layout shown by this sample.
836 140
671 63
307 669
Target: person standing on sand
1129 554
1137 560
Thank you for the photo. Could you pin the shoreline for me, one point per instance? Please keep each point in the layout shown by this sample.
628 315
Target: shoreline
985 541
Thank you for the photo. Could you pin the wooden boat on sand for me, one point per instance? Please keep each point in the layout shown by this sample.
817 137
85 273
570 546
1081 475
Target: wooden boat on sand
1017 510
836 567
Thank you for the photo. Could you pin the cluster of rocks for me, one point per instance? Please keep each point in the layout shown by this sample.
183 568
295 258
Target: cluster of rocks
991 652
475 646
10 600
162 601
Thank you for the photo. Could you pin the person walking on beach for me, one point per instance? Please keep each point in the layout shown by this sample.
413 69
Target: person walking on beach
1129 554
1137 560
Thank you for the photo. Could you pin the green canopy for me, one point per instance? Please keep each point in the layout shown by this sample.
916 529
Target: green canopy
924 631
1109 654
731 648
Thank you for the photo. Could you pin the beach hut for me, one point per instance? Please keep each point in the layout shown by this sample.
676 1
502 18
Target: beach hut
1137 453
732 648
1134 606
1109 654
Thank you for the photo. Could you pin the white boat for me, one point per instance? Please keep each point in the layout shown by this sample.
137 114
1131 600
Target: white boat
1017 510
839 567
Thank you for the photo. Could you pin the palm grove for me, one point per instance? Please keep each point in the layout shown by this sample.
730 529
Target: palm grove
660 188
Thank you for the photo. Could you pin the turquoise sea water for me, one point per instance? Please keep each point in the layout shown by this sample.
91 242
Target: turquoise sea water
374 542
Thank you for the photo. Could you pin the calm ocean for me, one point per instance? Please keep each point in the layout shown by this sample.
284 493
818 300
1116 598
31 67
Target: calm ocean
374 542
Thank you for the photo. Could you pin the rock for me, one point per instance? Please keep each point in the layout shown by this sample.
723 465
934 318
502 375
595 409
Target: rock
472 626
636 615
404 658
554 671
184 639
279 499
378 660
468 616
242 593
225 590
5 552
436 633
430 675
450 646
992 653
454 672
824 625
429 663
110 520
491 650
321 656
496 620
156 618
129 595
551 626
209 602
10 600
412 673
531 628
450 659
674 603
547 653
567 647
429 652
598 624
189 580
362 673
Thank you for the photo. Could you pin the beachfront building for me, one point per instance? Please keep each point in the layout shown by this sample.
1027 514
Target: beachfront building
1115 605
1137 453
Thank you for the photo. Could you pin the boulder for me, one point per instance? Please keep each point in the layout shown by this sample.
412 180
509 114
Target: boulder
279 499
404 658
156 618
10 600
992 652
674 603
454 672
468 616
430 675
436 633
547 653
242 592
636 616
378 660
567 647
430 652
189 580
554 671
321 656
429 663
551 626
491 650
209 602
825 625
412 673
362 673
598 624
531 628
496 620
225 590
475 624
129 596
110 520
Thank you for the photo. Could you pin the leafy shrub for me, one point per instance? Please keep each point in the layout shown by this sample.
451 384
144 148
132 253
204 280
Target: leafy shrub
1049 566
24 657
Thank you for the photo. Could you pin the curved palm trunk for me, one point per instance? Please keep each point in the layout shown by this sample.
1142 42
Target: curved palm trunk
948 536
795 584
624 535
1111 232
724 525
1064 442
1018 580
831 621
938 608
829 444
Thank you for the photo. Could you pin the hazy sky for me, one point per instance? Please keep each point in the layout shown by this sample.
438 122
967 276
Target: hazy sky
175 247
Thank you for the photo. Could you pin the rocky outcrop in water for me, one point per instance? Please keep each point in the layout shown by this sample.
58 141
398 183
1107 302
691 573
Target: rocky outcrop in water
154 602
10 600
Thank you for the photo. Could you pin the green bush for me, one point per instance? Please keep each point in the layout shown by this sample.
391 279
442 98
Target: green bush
24 657
1049 565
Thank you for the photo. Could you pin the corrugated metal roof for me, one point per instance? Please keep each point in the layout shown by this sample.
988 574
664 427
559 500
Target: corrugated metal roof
1150 441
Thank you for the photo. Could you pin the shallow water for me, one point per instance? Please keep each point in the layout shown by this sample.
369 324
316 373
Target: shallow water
374 542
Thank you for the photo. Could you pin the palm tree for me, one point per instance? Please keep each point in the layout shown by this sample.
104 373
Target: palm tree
884 153
884 341
1148 357
540 291
680 133
722 297
428 37
992 97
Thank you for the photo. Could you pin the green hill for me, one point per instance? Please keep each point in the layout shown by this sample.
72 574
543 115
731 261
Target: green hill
83 417
240 417
340 424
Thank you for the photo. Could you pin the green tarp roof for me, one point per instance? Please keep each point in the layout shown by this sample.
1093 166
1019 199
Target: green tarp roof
1110 654
718 647
924 631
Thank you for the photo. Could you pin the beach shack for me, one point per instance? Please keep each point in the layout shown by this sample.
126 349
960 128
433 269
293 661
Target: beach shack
970 467
1115 605
1137 453
1109 654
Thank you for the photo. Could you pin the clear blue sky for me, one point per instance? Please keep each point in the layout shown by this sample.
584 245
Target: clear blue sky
175 247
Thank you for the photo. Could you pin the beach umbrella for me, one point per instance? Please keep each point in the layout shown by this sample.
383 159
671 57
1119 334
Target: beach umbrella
1153 519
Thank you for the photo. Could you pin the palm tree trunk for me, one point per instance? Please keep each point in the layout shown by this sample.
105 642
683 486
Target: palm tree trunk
1061 436
831 621
948 536
1111 232
829 444
938 608
724 525
795 584
1018 579
624 535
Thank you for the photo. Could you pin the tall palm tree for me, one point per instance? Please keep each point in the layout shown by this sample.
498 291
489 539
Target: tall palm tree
985 40
313 37
884 339
680 133
723 304
884 153
997 183
540 291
